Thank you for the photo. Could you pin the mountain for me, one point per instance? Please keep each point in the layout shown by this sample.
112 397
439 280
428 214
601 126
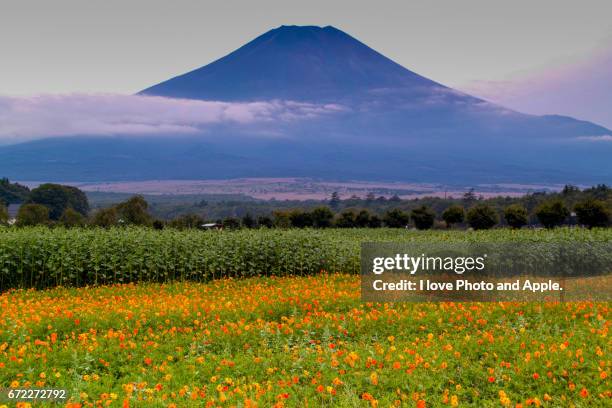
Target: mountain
295 63
348 113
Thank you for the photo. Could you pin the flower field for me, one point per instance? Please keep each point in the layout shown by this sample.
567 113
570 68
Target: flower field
299 341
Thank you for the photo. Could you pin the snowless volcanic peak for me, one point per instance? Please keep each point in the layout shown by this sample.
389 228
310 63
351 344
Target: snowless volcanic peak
293 62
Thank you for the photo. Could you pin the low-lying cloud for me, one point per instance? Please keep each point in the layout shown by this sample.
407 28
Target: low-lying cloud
38 117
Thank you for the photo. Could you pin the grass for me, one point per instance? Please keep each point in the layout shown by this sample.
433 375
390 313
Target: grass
299 341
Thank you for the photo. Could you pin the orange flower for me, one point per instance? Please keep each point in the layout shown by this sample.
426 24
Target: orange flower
421 404
584 393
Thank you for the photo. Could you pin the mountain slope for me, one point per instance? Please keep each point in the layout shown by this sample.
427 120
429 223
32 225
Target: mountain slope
297 63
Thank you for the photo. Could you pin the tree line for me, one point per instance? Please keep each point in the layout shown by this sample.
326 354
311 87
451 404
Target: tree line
54 204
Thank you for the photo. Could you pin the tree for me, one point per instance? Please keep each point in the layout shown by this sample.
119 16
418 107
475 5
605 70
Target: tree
187 221
32 214
57 198
516 215
454 214
362 219
231 223
105 217
300 219
71 218
375 221
281 219
592 213
4 216
12 193
481 217
265 221
552 213
346 219
396 218
334 201
423 217
322 217
248 221
134 211
469 197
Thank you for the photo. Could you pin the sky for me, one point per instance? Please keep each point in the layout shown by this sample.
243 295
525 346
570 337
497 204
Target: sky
494 49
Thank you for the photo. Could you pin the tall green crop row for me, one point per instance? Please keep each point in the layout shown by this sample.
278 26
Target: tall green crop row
40 257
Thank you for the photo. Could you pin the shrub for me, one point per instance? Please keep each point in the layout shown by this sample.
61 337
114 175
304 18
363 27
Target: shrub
482 217
422 217
552 213
592 213
32 214
454 214
516 215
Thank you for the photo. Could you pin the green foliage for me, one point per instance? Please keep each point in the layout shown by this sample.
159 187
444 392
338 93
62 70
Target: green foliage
32 214
300 219
516 215
552 213
57 198
4 216
281 219
265 221
346 219
12 193
105 218
134 211
248 221
482 217
454 214
322 217
396 218
43 257
231 223
423 217
187 221
71 218
593 213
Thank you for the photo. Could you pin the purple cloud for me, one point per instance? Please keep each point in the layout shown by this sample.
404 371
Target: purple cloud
582 89
37 117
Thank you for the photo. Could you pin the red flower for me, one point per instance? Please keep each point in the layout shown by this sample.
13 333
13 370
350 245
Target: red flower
491 379
536 376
